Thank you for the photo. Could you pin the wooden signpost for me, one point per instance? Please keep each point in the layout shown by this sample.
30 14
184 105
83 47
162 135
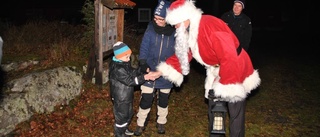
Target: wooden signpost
109 25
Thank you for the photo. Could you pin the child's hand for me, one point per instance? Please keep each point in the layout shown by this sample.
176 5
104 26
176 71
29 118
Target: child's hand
147 76
153 75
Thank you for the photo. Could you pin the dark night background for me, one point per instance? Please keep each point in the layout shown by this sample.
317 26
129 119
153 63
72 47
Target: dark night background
282 30
264 14
294 23
19 11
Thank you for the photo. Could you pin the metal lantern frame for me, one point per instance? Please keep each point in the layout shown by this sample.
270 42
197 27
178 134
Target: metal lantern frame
217 114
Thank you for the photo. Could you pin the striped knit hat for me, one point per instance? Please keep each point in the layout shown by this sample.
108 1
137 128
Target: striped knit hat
121 49
242 2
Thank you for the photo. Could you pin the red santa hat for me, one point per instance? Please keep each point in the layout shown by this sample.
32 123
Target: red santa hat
180 10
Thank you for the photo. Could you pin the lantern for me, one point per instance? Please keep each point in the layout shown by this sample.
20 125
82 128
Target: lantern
219 118
217 114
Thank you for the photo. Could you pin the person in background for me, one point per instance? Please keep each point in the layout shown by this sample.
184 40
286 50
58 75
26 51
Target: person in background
123 77
239 23
156 46
207 39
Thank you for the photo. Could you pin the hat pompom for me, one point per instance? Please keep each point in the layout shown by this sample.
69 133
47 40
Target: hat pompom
121 49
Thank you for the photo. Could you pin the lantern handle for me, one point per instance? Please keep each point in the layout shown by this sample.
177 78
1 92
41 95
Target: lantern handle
212 97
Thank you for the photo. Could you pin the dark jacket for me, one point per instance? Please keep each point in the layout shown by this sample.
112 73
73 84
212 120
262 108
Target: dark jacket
123 77
157 46
241 26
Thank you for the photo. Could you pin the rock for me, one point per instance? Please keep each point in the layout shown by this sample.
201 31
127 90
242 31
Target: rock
37 93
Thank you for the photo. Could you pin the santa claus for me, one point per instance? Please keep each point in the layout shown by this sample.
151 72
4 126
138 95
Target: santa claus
209 40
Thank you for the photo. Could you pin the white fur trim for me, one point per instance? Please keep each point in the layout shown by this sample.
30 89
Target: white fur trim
169 73
252 82
229 92
193 36
238 91
212 73
181 13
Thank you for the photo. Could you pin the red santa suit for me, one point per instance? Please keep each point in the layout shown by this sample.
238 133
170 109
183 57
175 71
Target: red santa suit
229 69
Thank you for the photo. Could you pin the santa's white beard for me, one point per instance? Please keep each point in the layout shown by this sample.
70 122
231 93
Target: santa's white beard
182 48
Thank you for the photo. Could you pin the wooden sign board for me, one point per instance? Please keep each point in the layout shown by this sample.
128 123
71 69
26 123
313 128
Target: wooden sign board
109 30
109 26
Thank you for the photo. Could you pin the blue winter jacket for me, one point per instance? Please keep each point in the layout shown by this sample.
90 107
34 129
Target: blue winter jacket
156 48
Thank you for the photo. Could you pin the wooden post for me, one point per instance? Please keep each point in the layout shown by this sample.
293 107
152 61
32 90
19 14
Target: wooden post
98 37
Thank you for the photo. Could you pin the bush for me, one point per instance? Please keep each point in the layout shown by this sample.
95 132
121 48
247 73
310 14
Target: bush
55 43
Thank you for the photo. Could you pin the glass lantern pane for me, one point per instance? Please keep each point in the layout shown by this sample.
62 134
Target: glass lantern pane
217 121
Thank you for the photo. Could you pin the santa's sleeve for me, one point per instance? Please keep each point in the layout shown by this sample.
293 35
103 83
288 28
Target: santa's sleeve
171 69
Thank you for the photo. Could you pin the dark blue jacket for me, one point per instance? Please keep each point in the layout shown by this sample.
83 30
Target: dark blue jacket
241 26
155 48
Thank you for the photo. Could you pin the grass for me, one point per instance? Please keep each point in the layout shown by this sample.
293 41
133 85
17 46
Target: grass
286 104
